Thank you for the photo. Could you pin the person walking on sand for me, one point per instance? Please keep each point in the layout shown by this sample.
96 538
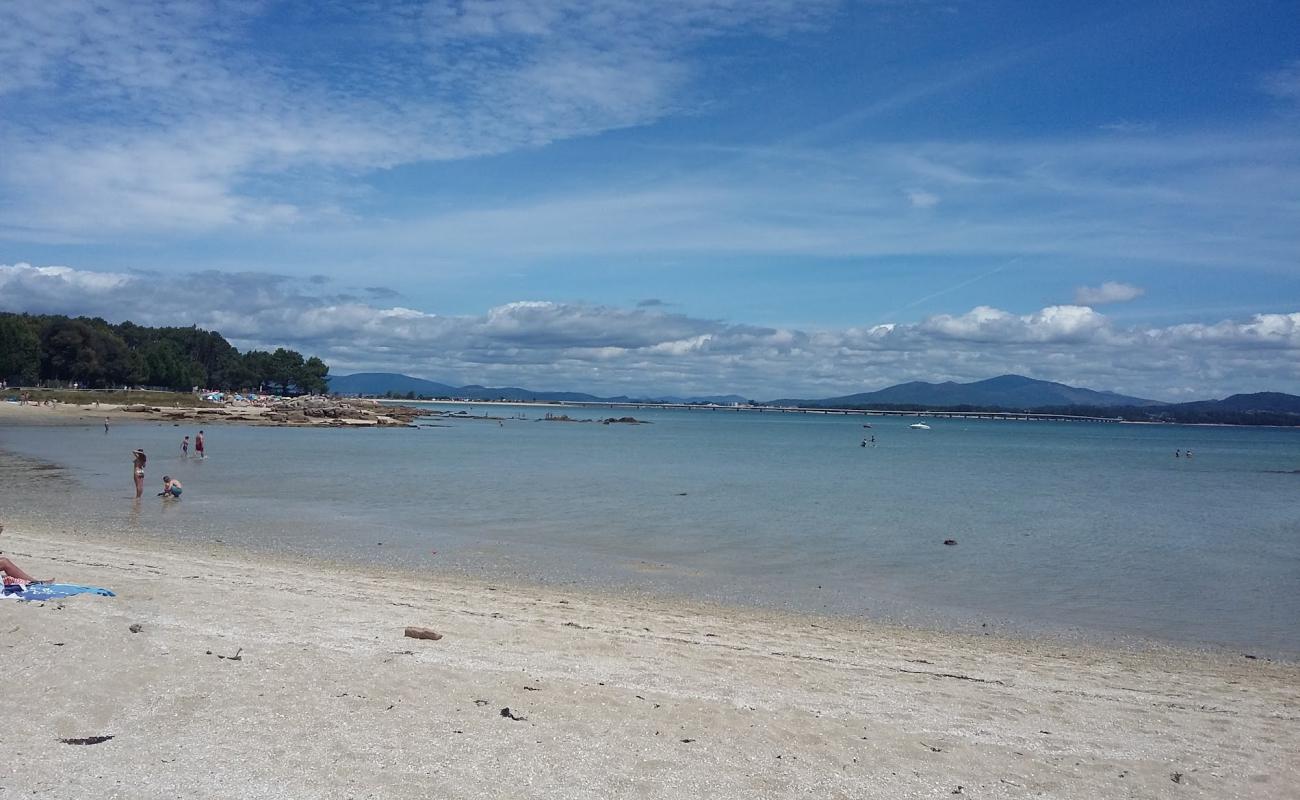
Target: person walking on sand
185 447
138 459
198 445
11 570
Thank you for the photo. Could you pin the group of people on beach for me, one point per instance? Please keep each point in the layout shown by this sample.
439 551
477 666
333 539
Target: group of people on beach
172 488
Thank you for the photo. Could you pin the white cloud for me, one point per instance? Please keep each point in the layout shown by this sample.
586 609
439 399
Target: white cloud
1203 201
608 350
168 117
919 198
1108 292
1284 83
1127 126
1051 324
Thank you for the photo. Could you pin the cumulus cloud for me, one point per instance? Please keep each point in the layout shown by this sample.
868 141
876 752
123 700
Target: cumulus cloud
1108 292
1051 324
613 350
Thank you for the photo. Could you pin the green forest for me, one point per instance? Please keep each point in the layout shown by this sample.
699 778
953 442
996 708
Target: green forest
53 350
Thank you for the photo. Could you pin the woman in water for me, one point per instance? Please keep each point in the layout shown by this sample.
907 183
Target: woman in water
138 459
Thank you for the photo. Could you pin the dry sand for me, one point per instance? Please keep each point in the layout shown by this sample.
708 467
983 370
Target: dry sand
618 697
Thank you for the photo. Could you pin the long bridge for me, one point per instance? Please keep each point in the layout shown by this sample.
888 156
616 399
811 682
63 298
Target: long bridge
866 412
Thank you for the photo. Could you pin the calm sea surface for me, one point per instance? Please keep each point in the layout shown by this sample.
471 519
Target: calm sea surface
1088 529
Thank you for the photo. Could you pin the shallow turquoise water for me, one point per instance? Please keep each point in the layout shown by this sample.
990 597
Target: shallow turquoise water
1067 527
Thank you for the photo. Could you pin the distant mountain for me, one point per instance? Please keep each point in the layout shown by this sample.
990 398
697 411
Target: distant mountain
475 392
717 399
1274 402
1006 391
377 383
381 383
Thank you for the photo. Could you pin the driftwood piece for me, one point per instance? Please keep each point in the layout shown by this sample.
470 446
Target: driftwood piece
422 633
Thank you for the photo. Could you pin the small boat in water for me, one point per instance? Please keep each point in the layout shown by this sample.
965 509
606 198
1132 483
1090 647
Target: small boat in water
919 426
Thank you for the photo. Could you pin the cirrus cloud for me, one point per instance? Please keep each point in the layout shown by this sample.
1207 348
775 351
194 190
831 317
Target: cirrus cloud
178 117
1108 292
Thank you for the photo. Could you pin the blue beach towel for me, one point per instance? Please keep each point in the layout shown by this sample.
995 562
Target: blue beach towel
53 591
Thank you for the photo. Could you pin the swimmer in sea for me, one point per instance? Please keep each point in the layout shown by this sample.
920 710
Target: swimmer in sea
185 447
171 487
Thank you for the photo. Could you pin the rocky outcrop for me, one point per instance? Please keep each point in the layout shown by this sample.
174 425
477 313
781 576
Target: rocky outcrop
298 411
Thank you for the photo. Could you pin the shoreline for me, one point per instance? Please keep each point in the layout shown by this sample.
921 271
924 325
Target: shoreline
847 412
289 414
622 696
1043 637
931 619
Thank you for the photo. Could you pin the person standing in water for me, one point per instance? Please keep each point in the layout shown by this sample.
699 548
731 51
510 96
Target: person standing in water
185 447
105 424
138 459
198 445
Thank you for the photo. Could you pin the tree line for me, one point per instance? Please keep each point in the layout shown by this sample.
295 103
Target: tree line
58 350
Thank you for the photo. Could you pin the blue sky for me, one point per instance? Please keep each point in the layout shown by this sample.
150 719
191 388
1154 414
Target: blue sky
770 197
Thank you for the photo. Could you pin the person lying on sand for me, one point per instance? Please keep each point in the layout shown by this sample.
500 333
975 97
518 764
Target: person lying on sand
11 570
171 487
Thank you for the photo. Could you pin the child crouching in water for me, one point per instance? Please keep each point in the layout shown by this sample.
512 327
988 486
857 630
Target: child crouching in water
171 487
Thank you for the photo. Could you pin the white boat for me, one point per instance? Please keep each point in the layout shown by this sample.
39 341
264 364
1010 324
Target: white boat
919 426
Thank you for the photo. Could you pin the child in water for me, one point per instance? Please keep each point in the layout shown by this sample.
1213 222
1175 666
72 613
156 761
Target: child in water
171 487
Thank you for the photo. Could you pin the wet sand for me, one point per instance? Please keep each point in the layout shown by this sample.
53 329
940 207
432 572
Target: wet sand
608 696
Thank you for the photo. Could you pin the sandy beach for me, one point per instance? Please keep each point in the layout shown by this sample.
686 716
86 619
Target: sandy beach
320 694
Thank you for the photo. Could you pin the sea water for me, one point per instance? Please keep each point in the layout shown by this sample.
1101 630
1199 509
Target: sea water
1075 528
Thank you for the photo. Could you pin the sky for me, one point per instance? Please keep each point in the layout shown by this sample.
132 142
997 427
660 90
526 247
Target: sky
773 198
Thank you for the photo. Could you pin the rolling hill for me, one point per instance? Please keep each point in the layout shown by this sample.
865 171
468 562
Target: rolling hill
1006 391
381 383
